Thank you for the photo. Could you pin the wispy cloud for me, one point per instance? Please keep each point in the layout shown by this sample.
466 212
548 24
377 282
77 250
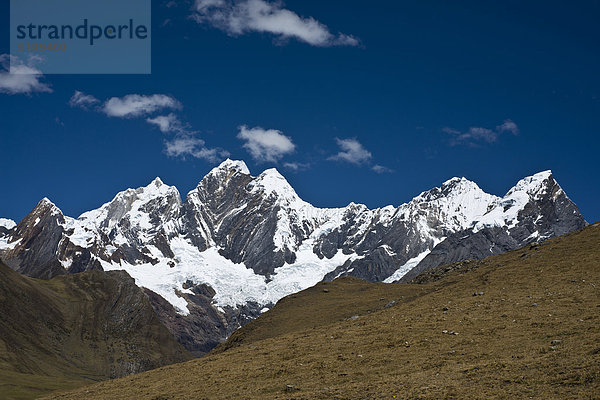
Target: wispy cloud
508 126
181 141
380 169
135 105
352 151
168 124
476 135
296 166
185 142
237 17
17 77
265 145
184 146
82 100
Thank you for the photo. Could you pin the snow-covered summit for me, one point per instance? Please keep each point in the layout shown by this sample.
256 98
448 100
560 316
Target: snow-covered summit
135 205
456 204
271 182
534 185
7 223
505 211
231 165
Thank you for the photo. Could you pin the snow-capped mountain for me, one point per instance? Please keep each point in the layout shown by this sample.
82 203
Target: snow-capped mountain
239 243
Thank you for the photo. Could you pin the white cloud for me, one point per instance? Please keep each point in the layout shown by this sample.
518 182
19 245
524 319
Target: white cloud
472 137
451 131
295 166
190 146
243 16
20 78
185 143
479 133
265 145
380 169
135 105
82 100
508 126
476 134
168 124
352 151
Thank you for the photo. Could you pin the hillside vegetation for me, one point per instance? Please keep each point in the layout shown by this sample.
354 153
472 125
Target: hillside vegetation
74 330
525 324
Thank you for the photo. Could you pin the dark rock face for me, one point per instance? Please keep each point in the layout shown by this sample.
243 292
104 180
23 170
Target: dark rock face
394 236
548 214
200 331
205 327
376 264
240 217
465 245
39 234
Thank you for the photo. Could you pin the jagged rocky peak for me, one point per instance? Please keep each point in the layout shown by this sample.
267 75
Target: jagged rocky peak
455 205
355 208
31 247
44 212
535 209
233 165
271 183
144 207
44 218
225 182
536 186
507 211
226 170
456 189
46 204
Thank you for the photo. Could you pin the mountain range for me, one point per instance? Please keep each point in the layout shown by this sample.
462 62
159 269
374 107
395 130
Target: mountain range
239 243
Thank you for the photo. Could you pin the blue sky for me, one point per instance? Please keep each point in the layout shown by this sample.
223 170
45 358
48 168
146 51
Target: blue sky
374 103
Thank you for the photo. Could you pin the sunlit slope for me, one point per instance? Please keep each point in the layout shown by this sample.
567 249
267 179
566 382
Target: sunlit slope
74 330
525 324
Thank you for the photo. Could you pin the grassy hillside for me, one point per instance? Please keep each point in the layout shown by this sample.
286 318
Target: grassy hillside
525 324
75 330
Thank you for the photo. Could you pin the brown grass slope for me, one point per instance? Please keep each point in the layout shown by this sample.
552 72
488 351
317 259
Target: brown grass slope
74 330
532 331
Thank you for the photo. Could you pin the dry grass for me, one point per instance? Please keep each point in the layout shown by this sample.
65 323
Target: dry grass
75 330
533 333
